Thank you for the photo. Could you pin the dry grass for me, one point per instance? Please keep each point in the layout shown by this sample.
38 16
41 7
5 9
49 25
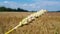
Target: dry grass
48 23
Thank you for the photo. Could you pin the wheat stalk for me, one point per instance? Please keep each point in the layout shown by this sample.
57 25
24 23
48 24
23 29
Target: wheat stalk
28 19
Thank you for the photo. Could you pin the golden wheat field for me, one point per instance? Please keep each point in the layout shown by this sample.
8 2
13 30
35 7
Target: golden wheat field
48 23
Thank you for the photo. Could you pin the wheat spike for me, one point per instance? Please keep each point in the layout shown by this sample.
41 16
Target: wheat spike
28 19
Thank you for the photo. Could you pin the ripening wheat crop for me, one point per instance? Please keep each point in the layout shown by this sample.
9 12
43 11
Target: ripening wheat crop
28 19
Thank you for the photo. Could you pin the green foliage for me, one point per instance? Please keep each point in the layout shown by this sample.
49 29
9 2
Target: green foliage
4 9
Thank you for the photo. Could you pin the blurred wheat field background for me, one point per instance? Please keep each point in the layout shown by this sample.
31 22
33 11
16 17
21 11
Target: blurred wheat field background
48 23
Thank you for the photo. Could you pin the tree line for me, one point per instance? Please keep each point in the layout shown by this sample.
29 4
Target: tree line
4 9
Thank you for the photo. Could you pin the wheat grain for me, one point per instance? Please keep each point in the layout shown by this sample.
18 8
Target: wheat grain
28 19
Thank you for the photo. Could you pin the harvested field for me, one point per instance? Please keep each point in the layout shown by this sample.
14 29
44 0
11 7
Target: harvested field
48 23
